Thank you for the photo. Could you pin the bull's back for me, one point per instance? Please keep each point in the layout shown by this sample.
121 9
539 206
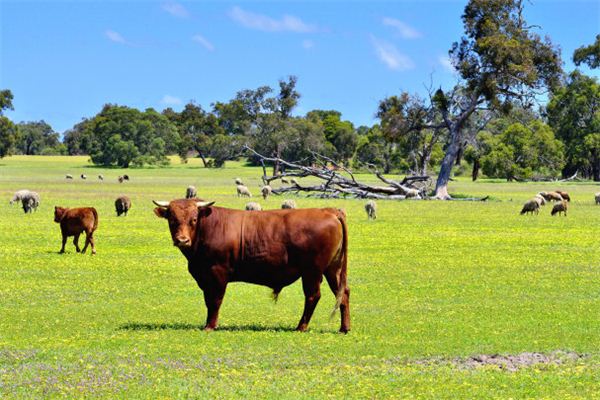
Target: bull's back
281 245
77 220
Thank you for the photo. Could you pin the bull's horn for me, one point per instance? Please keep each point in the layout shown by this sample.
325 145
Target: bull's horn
163 204
204 203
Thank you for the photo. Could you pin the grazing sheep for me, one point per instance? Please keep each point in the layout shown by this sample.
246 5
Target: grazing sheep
126 177
238 181
30 202
83 176
551 196
120 179
122 205
101 177
597 197
288 204
19 194
266 191
540 200
564 195
243 191
191 192
371 209
68 176
531 206
560 208
253 206
412 194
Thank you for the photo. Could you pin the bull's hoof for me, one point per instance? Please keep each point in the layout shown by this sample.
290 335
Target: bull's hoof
78 250
93 252
209 328
302 328
61 252
344 330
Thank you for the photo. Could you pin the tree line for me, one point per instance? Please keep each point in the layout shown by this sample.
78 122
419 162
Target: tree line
491 119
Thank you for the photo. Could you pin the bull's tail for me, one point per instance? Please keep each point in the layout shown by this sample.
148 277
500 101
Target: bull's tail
343 283
95 219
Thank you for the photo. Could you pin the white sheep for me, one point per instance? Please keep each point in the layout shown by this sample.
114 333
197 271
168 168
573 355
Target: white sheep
371 209
412 194
531 206
19 194
253 206
540 200
597 198
288 204
243 191
559 208
191 192
266 191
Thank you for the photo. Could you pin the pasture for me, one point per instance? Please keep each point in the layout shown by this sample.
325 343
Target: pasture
432 284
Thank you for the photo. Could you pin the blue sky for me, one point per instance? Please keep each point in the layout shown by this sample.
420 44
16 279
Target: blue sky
64 59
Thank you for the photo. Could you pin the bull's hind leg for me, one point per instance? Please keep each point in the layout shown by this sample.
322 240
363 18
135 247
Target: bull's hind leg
333 279
312 293
76 242
89 239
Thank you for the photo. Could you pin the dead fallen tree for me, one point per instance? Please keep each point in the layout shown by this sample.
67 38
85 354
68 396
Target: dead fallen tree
338 181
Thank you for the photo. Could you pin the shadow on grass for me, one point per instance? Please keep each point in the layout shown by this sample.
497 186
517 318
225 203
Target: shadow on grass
181 326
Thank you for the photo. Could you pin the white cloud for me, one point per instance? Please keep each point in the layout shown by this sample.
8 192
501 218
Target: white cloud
171 100
308 44
115 37
390 56
287 23
406 31
446 63
176 9
204 42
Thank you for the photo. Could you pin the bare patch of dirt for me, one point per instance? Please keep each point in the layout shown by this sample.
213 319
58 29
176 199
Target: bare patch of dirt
510 362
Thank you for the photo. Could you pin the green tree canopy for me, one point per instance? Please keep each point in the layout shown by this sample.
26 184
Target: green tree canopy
8 131
523 152
35 138
500 61
124 136
574 113
589 55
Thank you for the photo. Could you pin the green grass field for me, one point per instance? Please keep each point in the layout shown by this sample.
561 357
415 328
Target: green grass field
432 284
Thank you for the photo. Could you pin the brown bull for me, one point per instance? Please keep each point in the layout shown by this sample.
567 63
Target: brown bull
272 248
74 221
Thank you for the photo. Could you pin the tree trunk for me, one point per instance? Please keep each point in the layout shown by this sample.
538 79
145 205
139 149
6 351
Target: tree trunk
476 167
201 155
459 155
595 167
441 186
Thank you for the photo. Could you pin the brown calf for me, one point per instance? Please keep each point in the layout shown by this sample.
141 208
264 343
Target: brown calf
74 221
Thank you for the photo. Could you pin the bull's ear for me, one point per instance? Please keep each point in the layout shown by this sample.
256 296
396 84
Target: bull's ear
161 212
201 204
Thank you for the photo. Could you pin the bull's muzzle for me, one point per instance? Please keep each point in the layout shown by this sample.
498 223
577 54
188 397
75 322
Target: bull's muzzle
182 241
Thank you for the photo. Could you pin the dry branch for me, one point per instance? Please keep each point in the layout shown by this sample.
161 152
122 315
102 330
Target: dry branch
335 184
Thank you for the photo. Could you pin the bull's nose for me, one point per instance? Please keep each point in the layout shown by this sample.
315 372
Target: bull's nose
182 241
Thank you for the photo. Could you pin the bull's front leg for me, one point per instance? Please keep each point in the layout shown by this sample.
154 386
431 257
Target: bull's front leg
213 298
64 242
